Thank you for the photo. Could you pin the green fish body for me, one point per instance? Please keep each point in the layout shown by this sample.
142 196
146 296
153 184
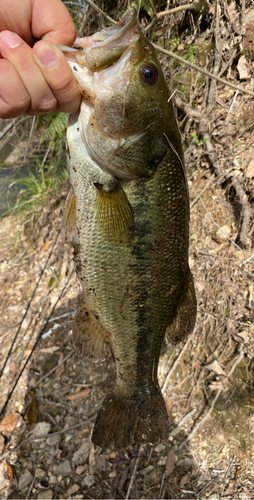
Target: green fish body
128 215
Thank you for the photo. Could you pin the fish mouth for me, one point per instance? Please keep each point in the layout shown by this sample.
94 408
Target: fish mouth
103 66
105 47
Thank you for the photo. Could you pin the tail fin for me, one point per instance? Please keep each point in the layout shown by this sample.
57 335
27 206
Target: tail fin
122 422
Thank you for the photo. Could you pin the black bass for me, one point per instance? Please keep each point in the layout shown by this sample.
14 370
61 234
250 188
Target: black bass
128 215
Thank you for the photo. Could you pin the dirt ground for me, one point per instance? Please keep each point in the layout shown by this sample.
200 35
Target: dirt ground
207 381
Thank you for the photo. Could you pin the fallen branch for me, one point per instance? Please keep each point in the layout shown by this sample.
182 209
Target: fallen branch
201 6
203 71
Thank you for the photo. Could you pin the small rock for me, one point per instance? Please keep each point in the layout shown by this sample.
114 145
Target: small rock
52 479
40 473
159 448
72 490
222 234
45 495
162 461
112 474
82 451
25 479
89 480
80 469
64 468
52 440
41 429
147 470
2 442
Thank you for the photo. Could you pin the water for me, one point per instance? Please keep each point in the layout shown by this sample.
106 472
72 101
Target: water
9 190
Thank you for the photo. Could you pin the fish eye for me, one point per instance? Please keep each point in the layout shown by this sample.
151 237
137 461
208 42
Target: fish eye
149 74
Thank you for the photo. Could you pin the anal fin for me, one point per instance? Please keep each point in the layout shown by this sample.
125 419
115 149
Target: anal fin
88 337
114 214
69 218
185 317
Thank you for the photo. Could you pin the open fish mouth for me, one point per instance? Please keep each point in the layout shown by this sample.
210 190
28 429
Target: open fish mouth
101 51
123 95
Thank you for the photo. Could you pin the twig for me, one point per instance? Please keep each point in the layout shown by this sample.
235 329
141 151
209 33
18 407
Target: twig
84 20
245 226
30 137
203 71
227 64
31 487
44 436
162 484
100 11
208 184
186 417
217 61
28 305
33 349
196 428
53 369
227 317
176 363
194 6
226 475
134 473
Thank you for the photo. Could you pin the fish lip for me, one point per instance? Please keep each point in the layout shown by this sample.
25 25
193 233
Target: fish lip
104 48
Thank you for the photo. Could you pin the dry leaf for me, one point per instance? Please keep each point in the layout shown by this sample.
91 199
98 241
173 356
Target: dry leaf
215 367
244 336
250 169
9 423
232 12
60 368
243 69
230 489
10 471
31 413
2 443
78 395
30 250
45 246
221 103
247 493
170 462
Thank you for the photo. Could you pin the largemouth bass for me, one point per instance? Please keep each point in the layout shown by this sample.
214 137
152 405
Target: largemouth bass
127 214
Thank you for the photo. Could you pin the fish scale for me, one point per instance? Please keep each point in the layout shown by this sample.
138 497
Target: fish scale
130 241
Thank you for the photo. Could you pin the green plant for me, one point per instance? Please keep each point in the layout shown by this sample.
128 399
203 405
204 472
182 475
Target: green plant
197 141
144 4
191 50
36 189
54 124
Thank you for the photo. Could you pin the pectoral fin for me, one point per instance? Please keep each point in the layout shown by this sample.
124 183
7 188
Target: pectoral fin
88 337
184 319
69 218
114 214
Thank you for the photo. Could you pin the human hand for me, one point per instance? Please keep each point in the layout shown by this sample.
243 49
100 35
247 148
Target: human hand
39 79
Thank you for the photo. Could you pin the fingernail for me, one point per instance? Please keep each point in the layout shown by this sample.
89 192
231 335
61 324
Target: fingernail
47 57
10 39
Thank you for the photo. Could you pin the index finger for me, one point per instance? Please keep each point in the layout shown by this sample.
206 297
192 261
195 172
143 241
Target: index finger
51 21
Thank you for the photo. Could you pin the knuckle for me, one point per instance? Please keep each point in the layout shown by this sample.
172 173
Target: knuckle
46 105
64 85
